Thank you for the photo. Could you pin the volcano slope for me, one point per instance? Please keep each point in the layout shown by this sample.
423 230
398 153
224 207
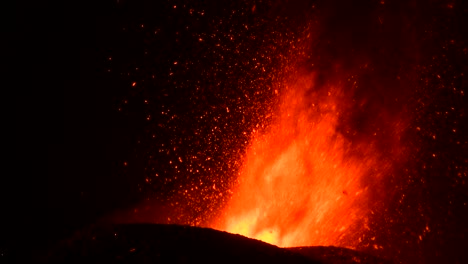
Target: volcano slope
157 243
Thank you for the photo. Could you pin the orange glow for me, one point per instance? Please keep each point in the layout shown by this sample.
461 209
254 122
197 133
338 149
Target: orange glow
304 182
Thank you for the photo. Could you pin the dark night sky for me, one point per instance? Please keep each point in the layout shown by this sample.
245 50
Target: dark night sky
76 138
100 144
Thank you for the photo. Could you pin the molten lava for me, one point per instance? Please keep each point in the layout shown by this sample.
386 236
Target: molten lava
305 182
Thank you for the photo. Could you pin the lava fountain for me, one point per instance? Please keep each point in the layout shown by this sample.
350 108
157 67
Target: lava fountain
309 179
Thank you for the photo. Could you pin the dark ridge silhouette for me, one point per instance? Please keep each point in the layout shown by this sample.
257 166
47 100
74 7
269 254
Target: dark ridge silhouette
156 243
336 255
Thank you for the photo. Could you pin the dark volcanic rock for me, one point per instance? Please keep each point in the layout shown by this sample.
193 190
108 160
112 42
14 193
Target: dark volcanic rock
151 243
337 255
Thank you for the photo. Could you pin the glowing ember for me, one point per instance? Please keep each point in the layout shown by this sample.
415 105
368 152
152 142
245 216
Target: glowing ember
305 182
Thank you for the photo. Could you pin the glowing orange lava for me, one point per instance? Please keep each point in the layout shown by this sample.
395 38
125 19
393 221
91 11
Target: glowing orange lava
303 181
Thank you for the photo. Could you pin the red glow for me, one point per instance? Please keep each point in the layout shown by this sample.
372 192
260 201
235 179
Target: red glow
304 182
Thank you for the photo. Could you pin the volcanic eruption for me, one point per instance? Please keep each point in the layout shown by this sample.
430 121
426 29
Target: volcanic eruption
336 136
298 123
